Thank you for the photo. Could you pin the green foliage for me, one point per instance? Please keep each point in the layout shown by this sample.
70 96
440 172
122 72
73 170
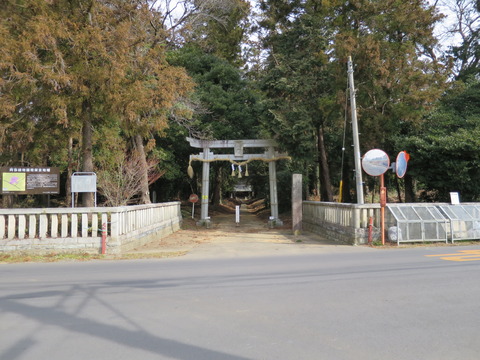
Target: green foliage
87 70
68 66
228 109
223 32
231 106
298 86
174 153
396 78
444 153
308 42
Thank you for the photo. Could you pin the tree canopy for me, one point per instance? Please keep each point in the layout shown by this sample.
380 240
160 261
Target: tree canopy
308 43
115 86
77 67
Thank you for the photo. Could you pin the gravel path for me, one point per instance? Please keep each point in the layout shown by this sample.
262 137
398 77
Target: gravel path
252 237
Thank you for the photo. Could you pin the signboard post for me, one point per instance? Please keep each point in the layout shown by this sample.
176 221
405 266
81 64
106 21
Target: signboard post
237 215
193 199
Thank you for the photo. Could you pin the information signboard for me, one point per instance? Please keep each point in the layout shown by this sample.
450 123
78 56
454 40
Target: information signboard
84 182
20 180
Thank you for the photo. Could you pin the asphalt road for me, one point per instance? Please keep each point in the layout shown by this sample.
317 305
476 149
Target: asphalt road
347 304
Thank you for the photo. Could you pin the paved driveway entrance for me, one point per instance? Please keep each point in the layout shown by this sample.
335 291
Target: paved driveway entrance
252 237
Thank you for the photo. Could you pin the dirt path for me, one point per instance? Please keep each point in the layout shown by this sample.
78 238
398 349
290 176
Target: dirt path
225 238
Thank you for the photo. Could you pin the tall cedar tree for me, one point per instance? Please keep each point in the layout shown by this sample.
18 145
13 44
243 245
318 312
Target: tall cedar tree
74 66
297 84
447 145
232 106
222 32
390 41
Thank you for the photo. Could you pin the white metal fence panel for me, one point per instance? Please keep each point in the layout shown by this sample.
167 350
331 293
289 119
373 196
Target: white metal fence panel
464 221
416 223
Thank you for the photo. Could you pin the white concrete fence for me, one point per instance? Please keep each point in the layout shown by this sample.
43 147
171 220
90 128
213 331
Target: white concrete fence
347 223
80 229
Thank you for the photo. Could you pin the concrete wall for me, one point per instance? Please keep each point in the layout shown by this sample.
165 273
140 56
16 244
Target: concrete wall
80 229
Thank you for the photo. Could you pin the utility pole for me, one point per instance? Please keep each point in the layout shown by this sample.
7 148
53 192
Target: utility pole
356 142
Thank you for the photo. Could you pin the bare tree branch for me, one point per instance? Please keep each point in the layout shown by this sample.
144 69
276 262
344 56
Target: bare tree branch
122 185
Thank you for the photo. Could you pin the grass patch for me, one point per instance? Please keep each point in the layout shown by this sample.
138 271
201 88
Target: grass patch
57 257
153 255
50 257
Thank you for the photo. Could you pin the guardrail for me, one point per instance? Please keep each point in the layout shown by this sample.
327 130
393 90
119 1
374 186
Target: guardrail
79 229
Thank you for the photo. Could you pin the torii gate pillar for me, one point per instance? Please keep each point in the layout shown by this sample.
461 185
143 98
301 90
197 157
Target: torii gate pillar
205 188
272 176
238 145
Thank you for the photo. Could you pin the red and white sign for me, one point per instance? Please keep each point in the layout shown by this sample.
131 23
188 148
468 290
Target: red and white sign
193 198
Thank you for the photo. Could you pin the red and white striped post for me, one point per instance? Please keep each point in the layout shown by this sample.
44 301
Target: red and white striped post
104 238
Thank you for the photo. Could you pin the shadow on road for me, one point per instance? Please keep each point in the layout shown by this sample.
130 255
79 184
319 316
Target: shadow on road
56 316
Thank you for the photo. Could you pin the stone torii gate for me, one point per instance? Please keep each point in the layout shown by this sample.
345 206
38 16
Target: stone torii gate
237 158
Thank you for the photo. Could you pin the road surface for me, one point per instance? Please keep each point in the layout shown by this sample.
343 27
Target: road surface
348 303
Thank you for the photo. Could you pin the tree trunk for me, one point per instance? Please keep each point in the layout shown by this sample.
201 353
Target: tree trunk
87 153
142 157
409 189
399 191
325 184
87 144
217 189
314 192
7 201
68 183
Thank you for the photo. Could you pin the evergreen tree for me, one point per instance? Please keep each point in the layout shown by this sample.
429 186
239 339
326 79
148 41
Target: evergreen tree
75 67
444 151
231 108
298 86
391 43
